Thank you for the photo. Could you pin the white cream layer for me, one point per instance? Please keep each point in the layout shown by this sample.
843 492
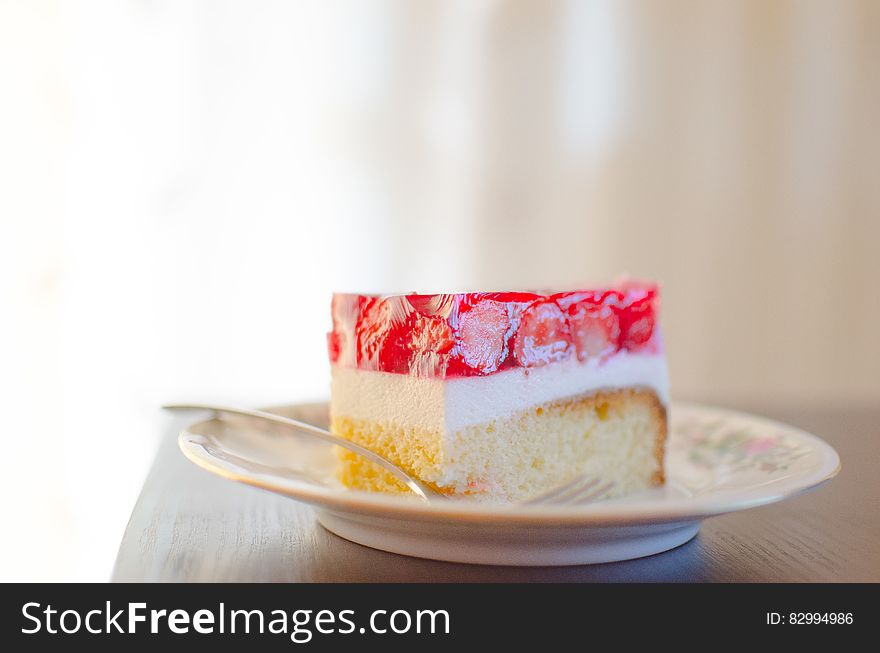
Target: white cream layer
452 404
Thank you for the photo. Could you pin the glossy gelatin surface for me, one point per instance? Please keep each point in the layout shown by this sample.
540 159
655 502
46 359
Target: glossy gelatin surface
476 334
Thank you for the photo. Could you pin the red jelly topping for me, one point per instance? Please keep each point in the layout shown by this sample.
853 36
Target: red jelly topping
474 334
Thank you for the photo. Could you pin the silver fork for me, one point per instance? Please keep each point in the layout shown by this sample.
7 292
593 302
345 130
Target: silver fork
580 489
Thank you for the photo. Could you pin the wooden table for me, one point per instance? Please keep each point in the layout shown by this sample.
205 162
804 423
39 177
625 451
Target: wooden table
189 525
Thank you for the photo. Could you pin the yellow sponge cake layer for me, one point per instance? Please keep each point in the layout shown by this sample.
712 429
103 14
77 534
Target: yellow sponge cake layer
615 435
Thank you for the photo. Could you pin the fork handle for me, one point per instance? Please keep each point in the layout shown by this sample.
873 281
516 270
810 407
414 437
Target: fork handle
418 488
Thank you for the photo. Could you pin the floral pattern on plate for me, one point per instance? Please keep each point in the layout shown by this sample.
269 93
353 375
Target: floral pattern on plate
715 452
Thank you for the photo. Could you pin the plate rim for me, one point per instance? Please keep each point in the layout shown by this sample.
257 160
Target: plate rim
372 505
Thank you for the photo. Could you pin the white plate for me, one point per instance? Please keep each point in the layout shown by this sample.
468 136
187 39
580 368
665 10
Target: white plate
717 462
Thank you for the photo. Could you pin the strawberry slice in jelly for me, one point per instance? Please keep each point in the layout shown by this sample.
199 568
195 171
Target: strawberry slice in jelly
543 335
430 335
638 314
594 324
431 340
483 325
382 336
370 331
637 322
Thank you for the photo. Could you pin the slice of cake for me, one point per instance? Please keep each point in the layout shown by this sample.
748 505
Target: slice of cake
501 396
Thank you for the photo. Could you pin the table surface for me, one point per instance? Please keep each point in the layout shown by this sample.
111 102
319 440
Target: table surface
189 525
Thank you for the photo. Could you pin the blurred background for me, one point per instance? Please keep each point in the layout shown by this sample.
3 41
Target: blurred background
183 184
